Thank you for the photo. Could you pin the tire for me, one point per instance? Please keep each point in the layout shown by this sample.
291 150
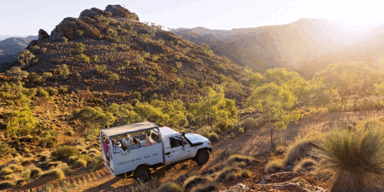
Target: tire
202 157
142 173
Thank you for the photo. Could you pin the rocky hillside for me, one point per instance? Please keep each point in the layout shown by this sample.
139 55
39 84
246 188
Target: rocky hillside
111 51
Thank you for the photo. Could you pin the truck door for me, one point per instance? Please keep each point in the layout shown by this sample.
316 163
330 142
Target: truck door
178 151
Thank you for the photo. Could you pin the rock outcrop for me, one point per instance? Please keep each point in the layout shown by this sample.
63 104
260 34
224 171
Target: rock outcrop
43 35
117 10
70 28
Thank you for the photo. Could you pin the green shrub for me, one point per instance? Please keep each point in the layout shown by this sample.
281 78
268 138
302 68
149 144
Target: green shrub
83 58
112 35
16 168
114 77
63 70
35 78
42 94
48 142
232 135
273 166
241 130
21 123
79 33
100 69
52 91
63 152
57 173
113 46
126 63
139 60
213 137
63 90
90 117
136 94
47 74
5 150
26 175
179 65
179 83
95 58
80 163
174 70
64 39
102 19
79 47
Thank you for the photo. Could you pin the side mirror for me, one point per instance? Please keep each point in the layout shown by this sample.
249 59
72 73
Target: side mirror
183 133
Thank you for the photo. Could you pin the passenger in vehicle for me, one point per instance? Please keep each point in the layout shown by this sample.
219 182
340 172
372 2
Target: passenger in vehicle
126 142
147 142
136 144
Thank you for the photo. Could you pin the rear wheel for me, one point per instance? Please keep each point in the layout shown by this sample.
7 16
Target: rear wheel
142 173
202 157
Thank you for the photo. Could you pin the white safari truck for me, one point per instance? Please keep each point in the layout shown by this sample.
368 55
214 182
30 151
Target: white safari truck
155 147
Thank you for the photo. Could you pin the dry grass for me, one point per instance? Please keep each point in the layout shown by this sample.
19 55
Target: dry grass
57 173
193 181
355 157
240 158
301 148
169 187
305 165
273 166
206 187
245 173
227 173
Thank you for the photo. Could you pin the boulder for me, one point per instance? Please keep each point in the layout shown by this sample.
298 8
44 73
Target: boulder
69 28
92 13
117 10
43 35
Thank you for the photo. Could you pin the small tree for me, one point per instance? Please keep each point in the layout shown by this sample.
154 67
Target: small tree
17 73
79 47
25 57
275 102
63 70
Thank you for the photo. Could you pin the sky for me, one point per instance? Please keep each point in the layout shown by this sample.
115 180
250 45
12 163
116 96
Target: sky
26 17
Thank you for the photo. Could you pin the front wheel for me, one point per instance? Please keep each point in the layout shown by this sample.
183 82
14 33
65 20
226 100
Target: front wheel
142 173
202 157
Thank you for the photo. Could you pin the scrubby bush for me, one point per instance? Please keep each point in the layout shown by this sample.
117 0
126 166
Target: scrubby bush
52 91
83 58
239 158
100 69
95 58
241 130
42 94
79 47
90 117
113 77
112 35
179 65
63 90
63 152
35 172
273 166
35 78
213 137
63 70
16 168
227 173
136 94
47 74
21 123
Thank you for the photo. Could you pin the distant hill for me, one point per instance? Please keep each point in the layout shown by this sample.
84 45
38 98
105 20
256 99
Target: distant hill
290 45
10 47
144 58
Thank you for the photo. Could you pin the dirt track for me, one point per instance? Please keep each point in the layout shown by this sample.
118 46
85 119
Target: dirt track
252 143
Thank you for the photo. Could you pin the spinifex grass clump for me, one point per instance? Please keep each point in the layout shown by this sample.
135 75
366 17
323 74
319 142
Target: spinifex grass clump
356 158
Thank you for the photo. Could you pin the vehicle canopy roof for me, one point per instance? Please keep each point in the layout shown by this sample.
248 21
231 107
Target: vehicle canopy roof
135 127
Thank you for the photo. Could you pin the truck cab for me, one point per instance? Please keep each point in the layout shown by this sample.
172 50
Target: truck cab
154 147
